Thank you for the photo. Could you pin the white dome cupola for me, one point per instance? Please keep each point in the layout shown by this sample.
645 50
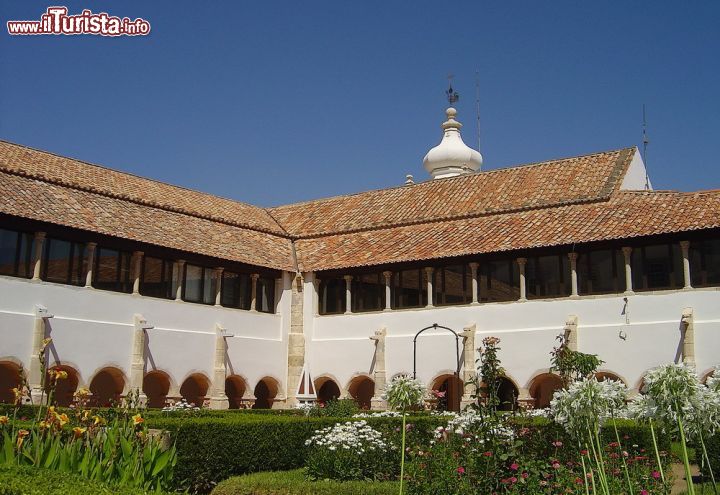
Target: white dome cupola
452 156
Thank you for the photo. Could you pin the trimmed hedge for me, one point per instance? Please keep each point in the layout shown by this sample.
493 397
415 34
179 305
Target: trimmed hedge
33 481
294 483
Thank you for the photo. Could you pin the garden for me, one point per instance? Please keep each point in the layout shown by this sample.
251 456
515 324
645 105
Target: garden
593 439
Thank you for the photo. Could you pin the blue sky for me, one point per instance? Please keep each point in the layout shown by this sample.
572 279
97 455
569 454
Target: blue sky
277 102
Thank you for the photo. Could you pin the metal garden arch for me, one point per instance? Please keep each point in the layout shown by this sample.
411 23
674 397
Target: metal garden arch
435 326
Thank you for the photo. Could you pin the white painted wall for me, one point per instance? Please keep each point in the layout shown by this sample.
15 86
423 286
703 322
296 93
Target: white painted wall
92 329
636 174
340 344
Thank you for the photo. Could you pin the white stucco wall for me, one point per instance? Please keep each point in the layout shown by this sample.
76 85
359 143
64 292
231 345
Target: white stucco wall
636 175
340 345
92 329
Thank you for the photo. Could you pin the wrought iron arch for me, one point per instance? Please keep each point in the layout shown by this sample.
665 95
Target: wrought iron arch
458 362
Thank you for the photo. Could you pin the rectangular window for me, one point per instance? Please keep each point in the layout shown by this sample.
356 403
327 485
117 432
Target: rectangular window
601 272
157 278
499 281
409 288
657 267
368 292
705 262
199 285
236 290
16 250
452 285
548 276
332 296
265 295
63 262
112 270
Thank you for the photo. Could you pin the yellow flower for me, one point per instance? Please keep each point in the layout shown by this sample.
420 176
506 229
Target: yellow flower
45 343
21 437
137 419
85 415
43 425
63 419
78 432
82 393
51 410
4 420
61 375
98 420
18 394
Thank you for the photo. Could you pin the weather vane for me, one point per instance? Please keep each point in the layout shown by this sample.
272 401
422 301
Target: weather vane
452 95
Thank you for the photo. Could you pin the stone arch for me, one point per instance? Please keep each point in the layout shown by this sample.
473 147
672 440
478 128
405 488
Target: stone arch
508 393
106 387
542 387
156 386
327 389
265 392
194 389
704 376
235 388
452 388
10 378
362 388
64 389
603 375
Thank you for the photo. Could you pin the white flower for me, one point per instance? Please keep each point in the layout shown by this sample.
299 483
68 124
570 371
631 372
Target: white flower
587 404
404 393
355 436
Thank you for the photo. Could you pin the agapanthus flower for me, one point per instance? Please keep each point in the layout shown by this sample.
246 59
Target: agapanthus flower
587 404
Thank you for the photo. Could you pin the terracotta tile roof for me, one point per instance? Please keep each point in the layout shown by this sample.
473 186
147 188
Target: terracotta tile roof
54 169
81 209
566 181
624 215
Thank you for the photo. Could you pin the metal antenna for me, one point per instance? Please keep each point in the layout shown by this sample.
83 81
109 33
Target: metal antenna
646 141
477 106
452 95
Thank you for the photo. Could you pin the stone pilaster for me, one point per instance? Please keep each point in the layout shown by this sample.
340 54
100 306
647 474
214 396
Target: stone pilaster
137 364
685 248
218 286
296 340
379 373
571 332
688 336
89 267
429 281
627 256
37 255
469 373
523 285
179 278
35 373
253 291
218 399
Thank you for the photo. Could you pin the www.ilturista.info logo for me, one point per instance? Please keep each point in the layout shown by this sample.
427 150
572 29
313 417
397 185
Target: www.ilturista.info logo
57 21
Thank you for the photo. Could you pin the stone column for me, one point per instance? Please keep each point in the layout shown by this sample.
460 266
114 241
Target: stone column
218 286
90 247
573 274
218 399
469 373
685 247
296 340
523 286
571 332
37 255
627 254
688 336
474 272
253 291
379 373
388 290
429 276
137 258
179 279
137 364
348 294
35 373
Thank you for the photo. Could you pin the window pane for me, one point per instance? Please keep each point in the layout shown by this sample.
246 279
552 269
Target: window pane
597 272
209 286
546 276
332 296
499 281
112 270
57 261
8 252
266 295
157 278
409 289
368 292
454 286
236 290
193 283
705 262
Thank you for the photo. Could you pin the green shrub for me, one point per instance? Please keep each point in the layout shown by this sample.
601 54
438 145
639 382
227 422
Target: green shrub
295 483
713 450
336 408
33 481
